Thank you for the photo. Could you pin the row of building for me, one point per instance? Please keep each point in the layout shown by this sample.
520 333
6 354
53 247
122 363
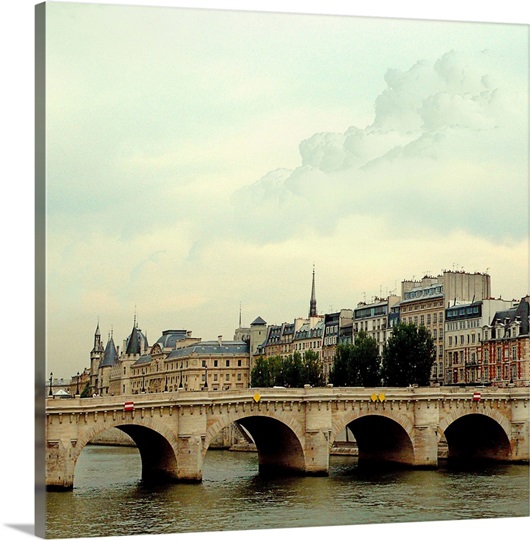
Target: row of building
478 340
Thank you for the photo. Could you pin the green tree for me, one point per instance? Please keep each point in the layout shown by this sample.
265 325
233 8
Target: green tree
312 371
365 361
357 364
293 368
408 356
261 374
292 371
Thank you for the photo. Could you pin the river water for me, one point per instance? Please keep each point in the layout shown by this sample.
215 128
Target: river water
109 499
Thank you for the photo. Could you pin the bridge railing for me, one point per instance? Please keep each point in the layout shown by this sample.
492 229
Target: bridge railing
205 398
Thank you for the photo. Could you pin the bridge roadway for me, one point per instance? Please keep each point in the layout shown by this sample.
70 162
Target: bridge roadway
293 429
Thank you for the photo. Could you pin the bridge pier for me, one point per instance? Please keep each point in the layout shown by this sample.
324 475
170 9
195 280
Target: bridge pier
59 465
520 430
319 423
425 442
425 434
317 453
190 458
190 446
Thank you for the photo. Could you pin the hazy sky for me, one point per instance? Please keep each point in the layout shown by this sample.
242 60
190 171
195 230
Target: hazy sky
197 159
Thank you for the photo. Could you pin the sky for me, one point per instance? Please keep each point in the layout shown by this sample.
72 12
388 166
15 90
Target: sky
265 147
202 160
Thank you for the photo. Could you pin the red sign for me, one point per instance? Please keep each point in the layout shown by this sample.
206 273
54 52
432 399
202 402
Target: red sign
476 396
128 406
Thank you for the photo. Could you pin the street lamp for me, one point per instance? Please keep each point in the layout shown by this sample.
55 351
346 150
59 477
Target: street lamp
206 376
50 393
165 386
143 381
77 385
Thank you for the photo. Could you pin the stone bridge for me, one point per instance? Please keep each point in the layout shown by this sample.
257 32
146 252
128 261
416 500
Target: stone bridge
293 429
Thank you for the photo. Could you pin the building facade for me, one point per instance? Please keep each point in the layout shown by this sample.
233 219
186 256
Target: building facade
373 319
423 303
464 338
505 351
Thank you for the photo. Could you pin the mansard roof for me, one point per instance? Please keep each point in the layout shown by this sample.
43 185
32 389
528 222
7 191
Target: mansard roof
211 348
306 332
169 338
144 359
519 313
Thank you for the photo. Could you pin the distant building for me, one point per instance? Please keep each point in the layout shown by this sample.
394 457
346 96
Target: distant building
374 319
464 336
336 329
423 303
505 351
208 365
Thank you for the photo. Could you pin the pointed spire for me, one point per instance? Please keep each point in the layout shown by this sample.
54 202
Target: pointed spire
239 314
135 324
98 347
313 301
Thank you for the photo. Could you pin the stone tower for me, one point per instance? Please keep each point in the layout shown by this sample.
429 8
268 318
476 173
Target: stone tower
96 355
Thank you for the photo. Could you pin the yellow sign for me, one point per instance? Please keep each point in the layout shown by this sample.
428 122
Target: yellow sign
373 397
256 397
381 397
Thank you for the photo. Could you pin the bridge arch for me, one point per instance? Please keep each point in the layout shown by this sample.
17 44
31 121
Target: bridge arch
380 436
279 439
476 435
156 444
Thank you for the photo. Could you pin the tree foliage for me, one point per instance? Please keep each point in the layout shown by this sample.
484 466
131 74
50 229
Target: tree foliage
292 371
357 364
408 356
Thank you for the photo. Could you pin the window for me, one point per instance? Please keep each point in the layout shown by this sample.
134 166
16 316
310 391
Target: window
228 363
227 377
239 363
215 363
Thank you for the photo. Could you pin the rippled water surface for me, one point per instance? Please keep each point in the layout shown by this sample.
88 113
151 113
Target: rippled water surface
109 499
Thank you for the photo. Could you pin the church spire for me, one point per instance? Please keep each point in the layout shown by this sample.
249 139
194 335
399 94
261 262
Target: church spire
313 301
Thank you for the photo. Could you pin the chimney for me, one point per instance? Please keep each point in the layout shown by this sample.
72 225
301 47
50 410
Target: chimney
220 340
